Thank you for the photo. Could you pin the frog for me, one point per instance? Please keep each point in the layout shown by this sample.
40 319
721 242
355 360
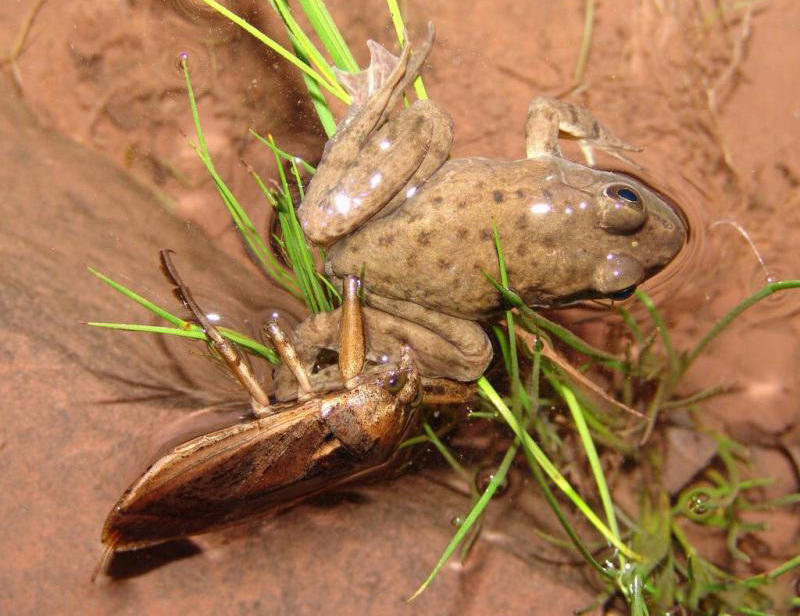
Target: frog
423 230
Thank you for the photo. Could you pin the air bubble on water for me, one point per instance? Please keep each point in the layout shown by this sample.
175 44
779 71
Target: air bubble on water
698 503
181 59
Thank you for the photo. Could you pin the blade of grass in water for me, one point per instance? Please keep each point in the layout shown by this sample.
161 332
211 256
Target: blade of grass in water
308 53
400 30
241 219
471 518
535 320
549 468
672 357
283 154
756 297
332 87
594 460
298 251
182 328
329 34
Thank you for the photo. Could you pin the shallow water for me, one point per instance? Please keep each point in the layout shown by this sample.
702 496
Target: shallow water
105 77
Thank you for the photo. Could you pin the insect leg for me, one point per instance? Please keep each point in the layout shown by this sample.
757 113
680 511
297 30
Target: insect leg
351 331
228 351
288 354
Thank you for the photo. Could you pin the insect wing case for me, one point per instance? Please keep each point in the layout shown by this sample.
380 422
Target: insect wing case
246 469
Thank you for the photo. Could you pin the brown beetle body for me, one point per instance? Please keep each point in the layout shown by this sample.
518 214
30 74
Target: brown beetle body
280 455
253 467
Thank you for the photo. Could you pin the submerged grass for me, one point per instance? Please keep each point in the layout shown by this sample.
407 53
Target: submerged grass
647 557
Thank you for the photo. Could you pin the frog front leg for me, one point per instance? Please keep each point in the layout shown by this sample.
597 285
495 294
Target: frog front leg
547 117
371 163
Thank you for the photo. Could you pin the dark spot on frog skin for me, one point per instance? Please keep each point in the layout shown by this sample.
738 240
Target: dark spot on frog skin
411 260
486 235
386 240
437 200
497 196
424 238
520 193
444 264
461 205
548 241
414 217
399 335
548 196
523 221
462 233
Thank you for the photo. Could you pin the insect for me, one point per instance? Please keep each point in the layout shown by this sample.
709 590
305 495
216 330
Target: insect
280 455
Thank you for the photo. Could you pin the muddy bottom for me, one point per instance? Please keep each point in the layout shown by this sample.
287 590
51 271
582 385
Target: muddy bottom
97 172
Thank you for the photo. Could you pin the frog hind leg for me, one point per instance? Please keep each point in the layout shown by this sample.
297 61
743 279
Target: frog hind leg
443 346
548 117
369 161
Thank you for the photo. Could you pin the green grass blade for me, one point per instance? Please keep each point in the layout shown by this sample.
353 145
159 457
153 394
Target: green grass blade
301 41
593 458
332 87
551 471
240 218
282 153
472 517
298 252
661 327
720 325
154 308
195 332
329 34
400 30
532 321
448 457
321 106
182 327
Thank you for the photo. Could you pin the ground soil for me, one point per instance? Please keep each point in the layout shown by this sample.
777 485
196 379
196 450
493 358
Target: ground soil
96 171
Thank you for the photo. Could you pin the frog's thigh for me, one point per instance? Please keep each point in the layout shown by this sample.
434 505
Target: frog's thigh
548 116
444 345
408 148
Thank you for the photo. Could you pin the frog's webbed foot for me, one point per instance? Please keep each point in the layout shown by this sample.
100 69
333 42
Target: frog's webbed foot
547 117
369 162
363 84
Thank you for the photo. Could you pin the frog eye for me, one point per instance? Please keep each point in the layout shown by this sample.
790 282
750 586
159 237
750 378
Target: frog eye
621 209
622 294
395 382
623 192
